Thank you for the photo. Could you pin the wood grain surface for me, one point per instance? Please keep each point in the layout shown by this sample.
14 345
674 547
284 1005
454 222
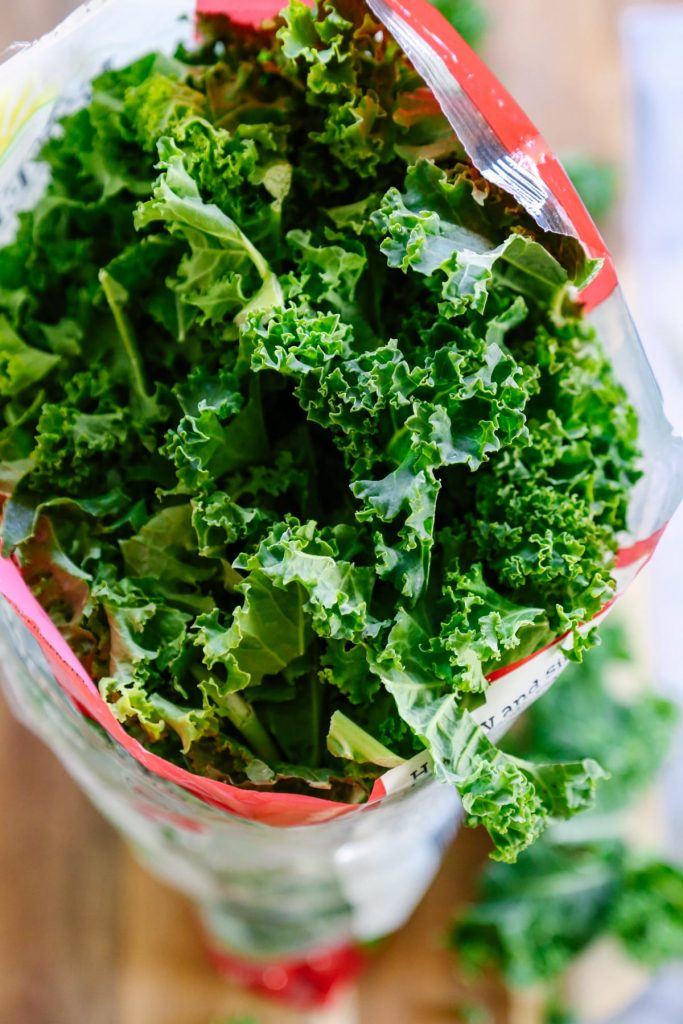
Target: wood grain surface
86 937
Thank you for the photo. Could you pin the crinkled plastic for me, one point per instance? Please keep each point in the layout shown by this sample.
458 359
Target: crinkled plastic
287 884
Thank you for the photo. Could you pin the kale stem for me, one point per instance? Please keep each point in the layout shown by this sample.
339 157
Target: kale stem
114 294
315 696
393 446
247 722
243 716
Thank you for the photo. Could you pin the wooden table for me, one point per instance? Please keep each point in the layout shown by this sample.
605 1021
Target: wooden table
86 937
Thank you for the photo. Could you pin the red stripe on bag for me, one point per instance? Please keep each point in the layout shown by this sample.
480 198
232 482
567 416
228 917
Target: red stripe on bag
306 984
246 12
641 549
512 126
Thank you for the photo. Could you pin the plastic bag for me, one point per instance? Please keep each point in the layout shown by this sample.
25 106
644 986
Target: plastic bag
282 878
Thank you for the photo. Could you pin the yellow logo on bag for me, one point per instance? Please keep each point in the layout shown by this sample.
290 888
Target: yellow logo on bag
17 110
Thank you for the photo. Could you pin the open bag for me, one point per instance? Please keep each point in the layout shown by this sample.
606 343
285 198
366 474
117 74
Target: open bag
288 885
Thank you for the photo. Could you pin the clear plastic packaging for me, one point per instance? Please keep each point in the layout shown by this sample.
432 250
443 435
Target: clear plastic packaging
263 893
294 881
